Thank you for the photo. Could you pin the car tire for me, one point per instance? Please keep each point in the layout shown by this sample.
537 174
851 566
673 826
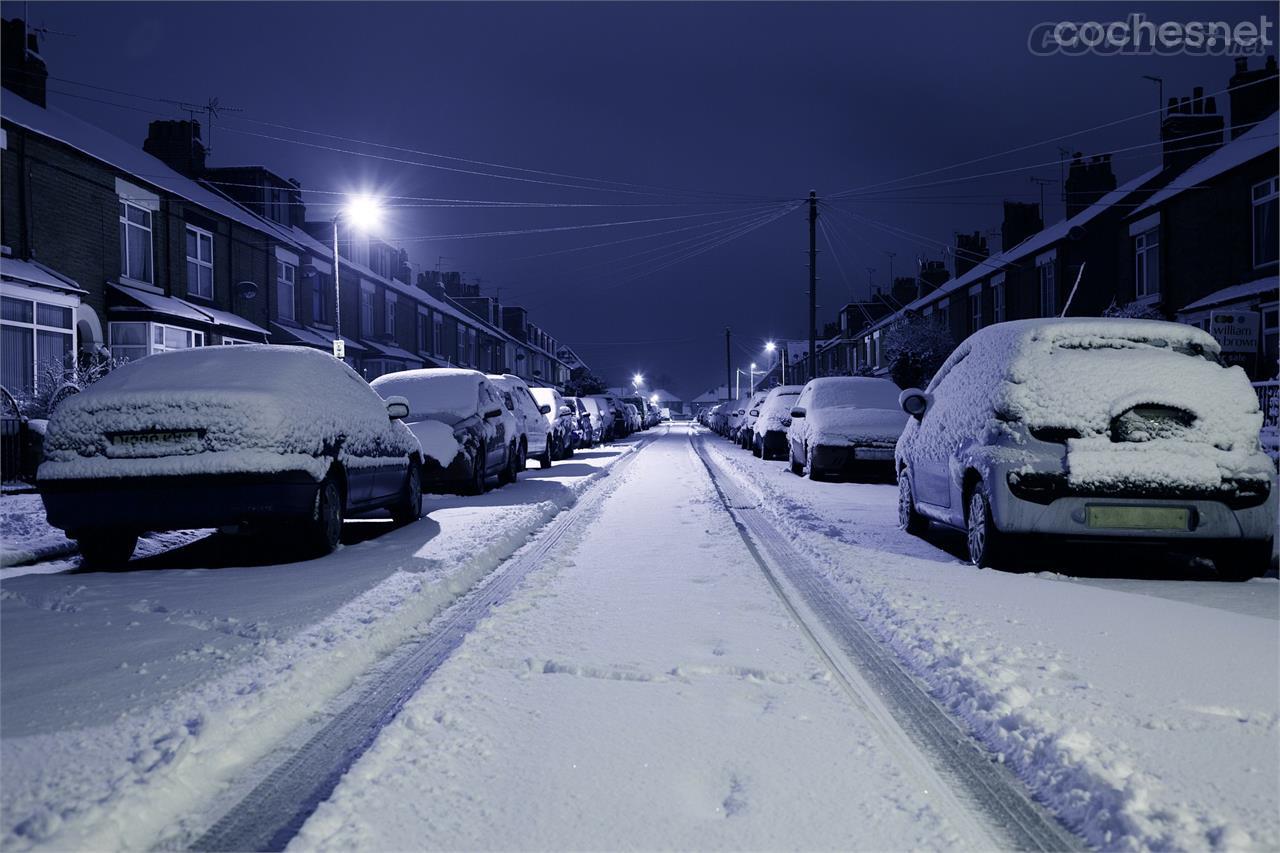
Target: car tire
797 468
323 531
987 546
1240 561
811 469
475 485
409 507
544 461
908 519
109 551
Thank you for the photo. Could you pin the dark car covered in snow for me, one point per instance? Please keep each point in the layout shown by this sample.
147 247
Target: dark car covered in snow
1093 430
221 436
463 424
845 424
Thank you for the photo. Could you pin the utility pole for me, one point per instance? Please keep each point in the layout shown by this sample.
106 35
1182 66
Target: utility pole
813 284
891 255
728 363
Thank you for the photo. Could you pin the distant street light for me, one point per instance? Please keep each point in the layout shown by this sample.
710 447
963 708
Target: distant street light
772 347
362 212
751 383
637 380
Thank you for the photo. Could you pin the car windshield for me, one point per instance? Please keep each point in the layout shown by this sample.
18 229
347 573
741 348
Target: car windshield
446 395
855 391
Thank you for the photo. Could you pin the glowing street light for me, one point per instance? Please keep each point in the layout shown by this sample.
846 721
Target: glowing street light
653 398
752 378
362 212
771 347
637 380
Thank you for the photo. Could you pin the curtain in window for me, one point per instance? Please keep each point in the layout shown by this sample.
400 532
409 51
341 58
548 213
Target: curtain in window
17 371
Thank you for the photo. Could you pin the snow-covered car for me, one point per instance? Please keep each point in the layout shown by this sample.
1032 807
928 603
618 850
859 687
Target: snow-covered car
462 424
718 417
612 423
747 428
222 436
769 432
596 419
561 420
733 422
842 424
1098 430
533 422
642 411
634 424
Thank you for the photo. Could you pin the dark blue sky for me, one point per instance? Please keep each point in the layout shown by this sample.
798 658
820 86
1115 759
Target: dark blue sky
757 102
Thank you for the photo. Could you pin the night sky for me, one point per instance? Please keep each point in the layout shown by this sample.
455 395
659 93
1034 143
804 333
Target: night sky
703 112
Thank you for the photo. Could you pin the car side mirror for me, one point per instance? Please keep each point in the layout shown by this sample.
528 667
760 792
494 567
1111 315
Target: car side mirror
493 413
755 413
546 410
565 410
914 402
797 412
397 408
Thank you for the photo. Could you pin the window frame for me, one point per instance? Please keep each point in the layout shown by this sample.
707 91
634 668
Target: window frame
36 327
368 306
1271 197
197 337
1146 249
1047 277
126 228
291 281
199 263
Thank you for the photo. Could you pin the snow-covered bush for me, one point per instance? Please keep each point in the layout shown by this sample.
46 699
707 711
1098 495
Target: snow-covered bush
1132 311
914 348
57 382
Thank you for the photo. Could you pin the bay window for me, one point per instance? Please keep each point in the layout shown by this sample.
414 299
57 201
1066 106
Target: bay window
37 341
133 340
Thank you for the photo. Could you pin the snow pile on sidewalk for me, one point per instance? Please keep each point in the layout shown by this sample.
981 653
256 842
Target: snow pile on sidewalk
25 536
1143 723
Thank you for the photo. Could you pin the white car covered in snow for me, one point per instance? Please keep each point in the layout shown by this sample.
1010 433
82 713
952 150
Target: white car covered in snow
842 424
532 417
221 436
1093 429
769 432
463 424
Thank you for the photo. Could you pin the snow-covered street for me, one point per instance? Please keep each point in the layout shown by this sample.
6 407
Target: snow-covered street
668 665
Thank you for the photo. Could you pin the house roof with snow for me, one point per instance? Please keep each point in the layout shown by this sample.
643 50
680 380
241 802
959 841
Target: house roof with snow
1261 140
97 143
1237 292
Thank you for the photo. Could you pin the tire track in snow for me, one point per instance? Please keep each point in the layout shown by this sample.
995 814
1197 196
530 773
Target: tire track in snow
932 745
270 814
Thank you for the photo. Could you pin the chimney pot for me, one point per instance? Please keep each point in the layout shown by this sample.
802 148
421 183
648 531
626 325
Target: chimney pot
1211 105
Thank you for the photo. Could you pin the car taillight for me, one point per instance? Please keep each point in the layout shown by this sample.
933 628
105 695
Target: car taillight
1247 493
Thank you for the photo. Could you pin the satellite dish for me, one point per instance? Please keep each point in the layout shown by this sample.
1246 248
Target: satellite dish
308 270
1076 233
247 290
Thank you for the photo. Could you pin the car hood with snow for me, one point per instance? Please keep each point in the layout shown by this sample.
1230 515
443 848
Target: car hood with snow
216 410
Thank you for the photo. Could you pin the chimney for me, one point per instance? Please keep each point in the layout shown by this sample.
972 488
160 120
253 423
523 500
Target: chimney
177 144
1021 220
22 71
904 290
1089 181
1191 130
1252 100
971 250
933 274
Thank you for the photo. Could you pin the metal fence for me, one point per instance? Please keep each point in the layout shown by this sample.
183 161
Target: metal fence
12 437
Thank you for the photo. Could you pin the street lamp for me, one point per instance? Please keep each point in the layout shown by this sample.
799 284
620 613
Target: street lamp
637 380
770 346
362 212
751 385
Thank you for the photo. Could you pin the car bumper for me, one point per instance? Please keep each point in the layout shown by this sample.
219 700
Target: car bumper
457 471
774 442
1085 518
832 458
170 503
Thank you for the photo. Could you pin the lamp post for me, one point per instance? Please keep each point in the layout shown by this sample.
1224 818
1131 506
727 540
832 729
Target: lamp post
751 383
770 347
637 380
361 212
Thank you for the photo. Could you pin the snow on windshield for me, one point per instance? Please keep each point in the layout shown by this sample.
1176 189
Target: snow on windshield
444 394
861 391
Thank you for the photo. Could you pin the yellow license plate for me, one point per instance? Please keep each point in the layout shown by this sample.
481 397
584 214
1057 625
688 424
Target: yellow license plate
1138 517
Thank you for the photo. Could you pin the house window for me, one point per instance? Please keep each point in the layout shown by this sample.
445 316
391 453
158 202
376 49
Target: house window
1146 263
424 330
1048 290
875 339
473 353
135 242
134 340
944 313
366 310
975 309
460 346
437 334
997 301
199 262
286 275
37 340
1265 242
389 315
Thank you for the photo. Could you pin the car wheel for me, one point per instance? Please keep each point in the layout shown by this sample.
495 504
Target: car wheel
986 543
757 449
106 550
324 530
475 485
797 468
544 461
908 519
814 474
1240 561
409 507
